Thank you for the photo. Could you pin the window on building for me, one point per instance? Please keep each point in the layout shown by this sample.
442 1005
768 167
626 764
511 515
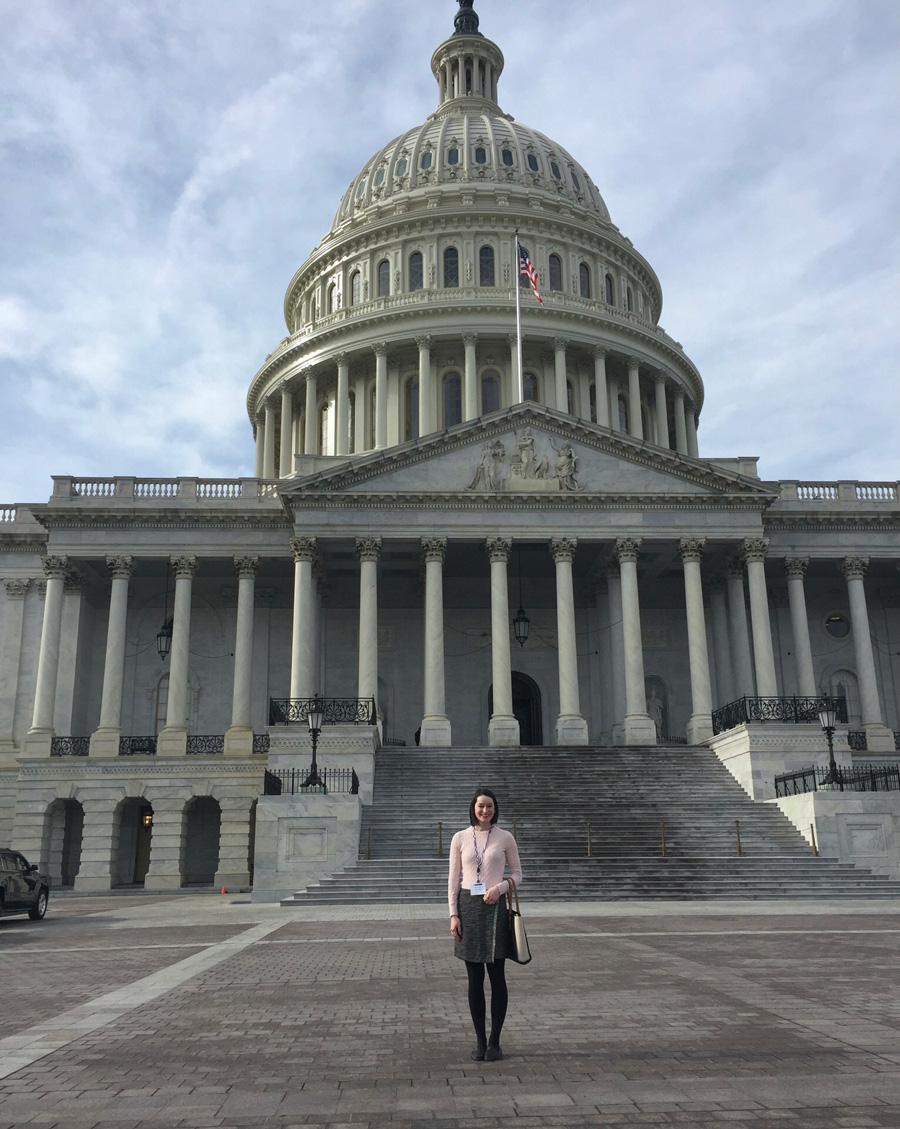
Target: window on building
486 266
575 181
490 392
451 267
453 156
837 626
555 272
323 430
332 298
610 290
411 409
584 280
355 288
533 163
529 386
416 271
401 167
554 169
425 159
592 395
452 399
379 178
351 423
480 155
507 157
629 299
384 278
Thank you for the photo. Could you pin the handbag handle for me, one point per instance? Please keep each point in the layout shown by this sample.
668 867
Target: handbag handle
515 893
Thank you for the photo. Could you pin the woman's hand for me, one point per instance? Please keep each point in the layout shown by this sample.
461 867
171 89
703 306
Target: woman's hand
493 895
456 927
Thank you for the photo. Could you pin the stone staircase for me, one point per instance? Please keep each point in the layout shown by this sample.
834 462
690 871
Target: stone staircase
549 797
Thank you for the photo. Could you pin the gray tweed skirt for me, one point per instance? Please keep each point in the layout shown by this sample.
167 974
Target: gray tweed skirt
485 929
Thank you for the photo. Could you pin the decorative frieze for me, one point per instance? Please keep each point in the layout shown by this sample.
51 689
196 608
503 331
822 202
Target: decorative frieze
17 589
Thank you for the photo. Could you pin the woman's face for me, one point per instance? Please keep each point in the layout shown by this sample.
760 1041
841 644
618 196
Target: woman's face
484 810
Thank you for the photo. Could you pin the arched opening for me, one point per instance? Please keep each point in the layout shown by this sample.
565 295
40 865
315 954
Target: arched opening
844 684
451 267
201 828
452 399
411 409
332 292
132 841
584 280
623 414
416 271
61 841
657 695
529 386
486 266
555 272
490 392
610 291
384 278
526 704
355 288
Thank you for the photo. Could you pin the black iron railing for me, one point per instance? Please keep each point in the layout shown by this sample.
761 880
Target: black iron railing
856 739
859 778
205 744
796 710
70 746
393 743
260 742
289 781
335 711
137 746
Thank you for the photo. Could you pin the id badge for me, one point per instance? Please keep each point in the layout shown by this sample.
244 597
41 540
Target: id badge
478 888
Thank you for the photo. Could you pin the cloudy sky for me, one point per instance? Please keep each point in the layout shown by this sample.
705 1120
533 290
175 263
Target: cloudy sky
168 164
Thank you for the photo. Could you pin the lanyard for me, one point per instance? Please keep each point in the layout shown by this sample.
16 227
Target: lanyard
479 858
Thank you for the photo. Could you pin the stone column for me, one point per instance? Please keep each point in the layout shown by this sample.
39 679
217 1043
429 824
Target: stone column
571 728
39 739
754 553
167 844
426 390
635 420
369 550
699 729
503 728
10 664
234 845
740 634
680 426
67 665
691 420
286 459
361 410
471 406
879 739
662 418
269 442
617 652
435 728
98 839
614 421
601 392
342 406
311 439
172 741
381 395
105 739
259 460
795 567
239 736
559 370
302 643
724 668
638 728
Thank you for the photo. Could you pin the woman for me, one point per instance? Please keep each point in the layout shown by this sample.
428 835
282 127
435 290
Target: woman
478 915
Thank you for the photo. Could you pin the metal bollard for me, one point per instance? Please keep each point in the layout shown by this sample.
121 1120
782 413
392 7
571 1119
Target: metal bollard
662 829
589 841
368 842
737 832
812 839
440 840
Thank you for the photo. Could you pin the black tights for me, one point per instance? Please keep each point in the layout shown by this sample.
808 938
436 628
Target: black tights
499 998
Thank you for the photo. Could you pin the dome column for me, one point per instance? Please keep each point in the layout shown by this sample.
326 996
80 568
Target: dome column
601 392
342 407
680 424
638 728
559 366
470 394
503 729
259 453
286 461
635 422
269 442
311 440
879 739
435 729
381 395
571 728
662 416
691 420
426 389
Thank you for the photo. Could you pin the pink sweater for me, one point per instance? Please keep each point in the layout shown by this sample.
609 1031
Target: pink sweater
501 849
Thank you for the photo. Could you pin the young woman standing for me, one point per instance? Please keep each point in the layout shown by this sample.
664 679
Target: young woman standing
476 891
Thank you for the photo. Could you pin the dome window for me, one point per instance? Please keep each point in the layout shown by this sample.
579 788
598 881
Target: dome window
416 271
451 267
529 386
411 406
361 189
379 178
490 392
480 155
507 157
401 167
575 181
330 304
554 168
452 156
384 278
555 272
533 163
610 291
452 399
584 280
629 299
425 160
355 288
486 266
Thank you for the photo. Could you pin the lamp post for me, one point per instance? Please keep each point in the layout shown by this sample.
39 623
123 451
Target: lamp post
314 721
827 717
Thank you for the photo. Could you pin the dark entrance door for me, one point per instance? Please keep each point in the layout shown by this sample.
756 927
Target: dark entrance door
526 699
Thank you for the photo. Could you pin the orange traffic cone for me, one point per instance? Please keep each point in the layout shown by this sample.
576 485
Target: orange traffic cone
223 889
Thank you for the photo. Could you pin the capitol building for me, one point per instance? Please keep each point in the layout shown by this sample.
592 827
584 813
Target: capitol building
459 535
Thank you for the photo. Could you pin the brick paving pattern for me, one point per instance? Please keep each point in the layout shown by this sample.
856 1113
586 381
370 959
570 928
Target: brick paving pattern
673 1016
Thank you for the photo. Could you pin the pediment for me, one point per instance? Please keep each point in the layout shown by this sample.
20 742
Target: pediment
528 450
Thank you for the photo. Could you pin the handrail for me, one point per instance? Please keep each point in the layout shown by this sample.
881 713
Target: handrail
290 781
335 711
794 710
858 778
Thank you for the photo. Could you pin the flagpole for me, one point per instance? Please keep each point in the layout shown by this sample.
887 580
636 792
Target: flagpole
516 276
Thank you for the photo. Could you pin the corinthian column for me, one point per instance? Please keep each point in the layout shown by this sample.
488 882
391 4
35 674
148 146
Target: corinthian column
39 739
172 741
699 728
470 394
435 728
239 736
426 389
369 550
754 553
616 652
302 639
638 728
286 459
571 728
269 440
795 567
503 728
635 419
740 633
105 739
559 368
311 416
342 408
879 739
662 418
381 394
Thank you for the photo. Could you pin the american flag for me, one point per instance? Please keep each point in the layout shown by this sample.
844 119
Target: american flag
528 271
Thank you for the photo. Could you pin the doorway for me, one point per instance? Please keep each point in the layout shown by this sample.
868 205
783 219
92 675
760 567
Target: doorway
526 705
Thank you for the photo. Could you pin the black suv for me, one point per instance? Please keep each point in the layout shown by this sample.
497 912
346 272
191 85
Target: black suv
22 889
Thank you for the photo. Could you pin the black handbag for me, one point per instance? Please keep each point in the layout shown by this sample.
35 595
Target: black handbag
520 951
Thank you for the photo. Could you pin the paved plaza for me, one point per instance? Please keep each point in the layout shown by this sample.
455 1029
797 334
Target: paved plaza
204 1010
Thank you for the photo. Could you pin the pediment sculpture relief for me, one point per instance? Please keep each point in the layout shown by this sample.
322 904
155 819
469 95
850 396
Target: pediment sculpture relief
527 469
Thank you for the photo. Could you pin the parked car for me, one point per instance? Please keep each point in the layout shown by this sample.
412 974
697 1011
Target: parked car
22 888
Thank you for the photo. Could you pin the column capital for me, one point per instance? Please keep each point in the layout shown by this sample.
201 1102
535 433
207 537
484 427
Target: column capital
601 352
368 548
627 548
246 566
563 548
560 343
380 348
661 376
184 567
55 567
341 359
795 567
678 393
754 548
17 589
74 582
513 340
854 568
304 548
634 362
286 388
469 339
691 548
120 568
498 548
424 342
733 565
434 548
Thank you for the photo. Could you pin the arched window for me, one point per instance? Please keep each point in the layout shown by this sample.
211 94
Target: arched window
332 292
355 288
480 155
555 272
629 299
452 399
570 398
451 267
623 415
584 280
610 291
490 391
486 266
411 409
416 271
529 386
384 278
523 279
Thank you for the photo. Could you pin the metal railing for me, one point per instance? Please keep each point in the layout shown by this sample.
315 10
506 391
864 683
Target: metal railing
857 741
289 781
205 745
261 743
137 746
335 711
70 746
868 778
795 710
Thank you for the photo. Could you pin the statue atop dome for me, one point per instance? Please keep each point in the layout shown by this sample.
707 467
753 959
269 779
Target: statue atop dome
466 20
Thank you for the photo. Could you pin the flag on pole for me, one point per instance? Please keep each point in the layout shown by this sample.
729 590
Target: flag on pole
526 269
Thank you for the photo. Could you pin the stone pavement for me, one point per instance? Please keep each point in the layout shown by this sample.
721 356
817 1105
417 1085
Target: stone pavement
197 1010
